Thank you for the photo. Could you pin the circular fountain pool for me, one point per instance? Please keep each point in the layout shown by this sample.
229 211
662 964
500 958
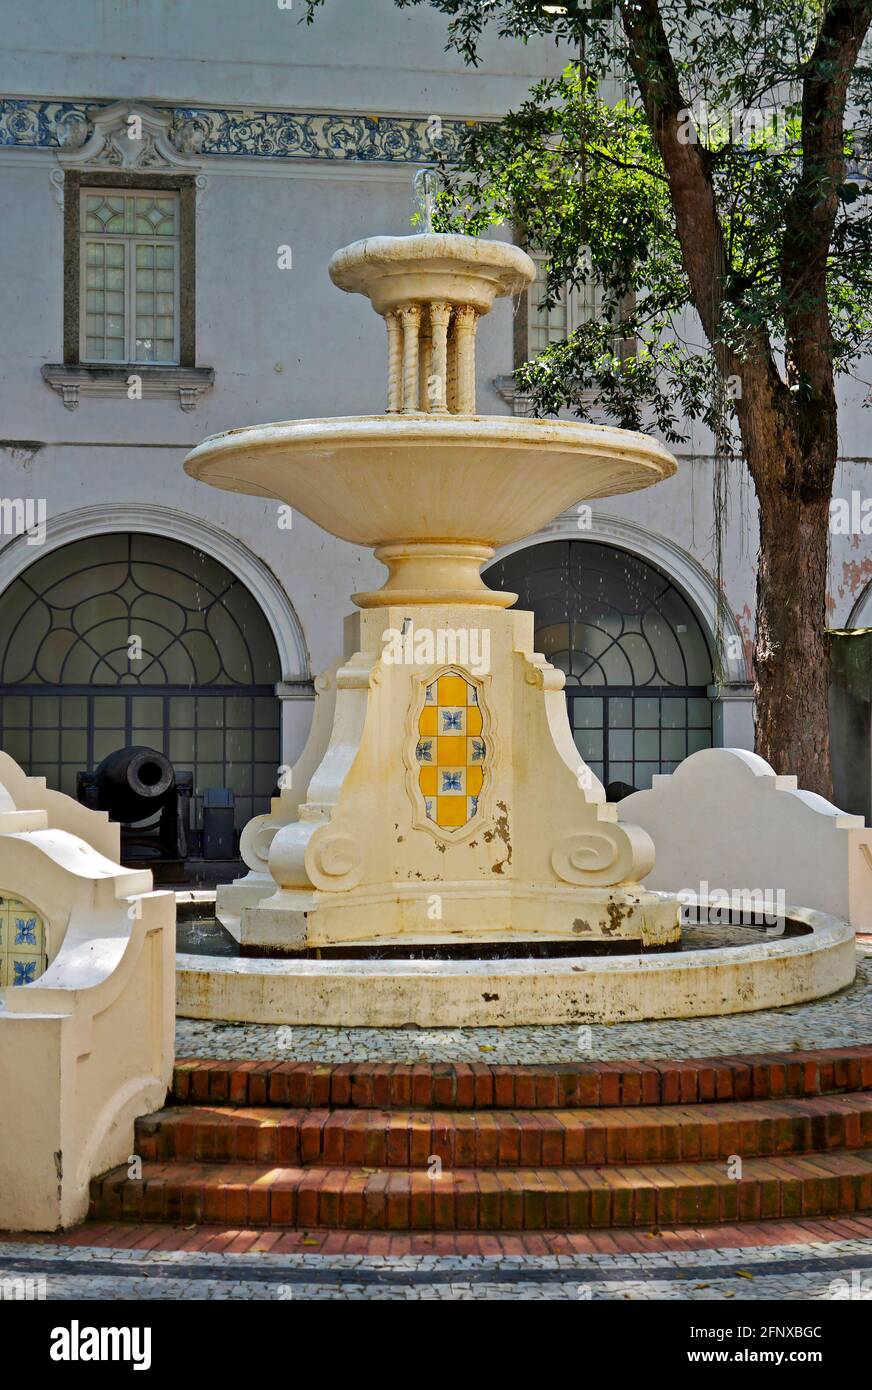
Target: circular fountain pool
719 968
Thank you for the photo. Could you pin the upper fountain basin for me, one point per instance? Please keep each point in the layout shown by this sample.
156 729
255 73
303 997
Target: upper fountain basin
381 479
433 266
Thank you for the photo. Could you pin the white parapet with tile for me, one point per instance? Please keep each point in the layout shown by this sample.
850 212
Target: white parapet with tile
88 1045
724 822
19 792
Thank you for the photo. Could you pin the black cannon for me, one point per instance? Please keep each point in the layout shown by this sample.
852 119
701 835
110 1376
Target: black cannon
616 791
140 788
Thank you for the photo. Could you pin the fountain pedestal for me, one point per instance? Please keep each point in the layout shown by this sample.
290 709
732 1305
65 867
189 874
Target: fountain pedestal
451 802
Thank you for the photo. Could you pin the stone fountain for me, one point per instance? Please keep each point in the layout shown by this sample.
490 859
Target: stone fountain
450 802
440 853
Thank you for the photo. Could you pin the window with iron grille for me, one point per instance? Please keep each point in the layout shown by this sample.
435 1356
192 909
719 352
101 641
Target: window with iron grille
635 655
137 639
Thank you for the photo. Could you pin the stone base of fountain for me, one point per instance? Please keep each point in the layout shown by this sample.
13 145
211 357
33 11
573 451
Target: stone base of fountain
289 926
488 824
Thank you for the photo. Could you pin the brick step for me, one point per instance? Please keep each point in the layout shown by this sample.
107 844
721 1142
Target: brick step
479 1085
500 1199
529 1138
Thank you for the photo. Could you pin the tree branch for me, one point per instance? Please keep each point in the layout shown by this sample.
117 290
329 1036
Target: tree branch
700 233
698 224
811 212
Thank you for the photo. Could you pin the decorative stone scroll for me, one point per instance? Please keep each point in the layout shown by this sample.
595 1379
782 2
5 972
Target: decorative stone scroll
128 135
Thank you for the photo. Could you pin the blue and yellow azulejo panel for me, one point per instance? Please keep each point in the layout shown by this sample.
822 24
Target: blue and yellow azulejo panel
22 942
451 752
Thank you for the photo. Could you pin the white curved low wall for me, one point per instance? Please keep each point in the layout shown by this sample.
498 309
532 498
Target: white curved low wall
89 1045
726 821
433 994
21 793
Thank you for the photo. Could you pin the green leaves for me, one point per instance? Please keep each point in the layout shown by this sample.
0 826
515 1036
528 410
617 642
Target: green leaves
576 171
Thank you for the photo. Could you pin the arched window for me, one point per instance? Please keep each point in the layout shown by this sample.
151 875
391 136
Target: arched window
636 658
138 639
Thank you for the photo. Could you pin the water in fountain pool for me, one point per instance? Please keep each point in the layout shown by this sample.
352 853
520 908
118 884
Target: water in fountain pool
198 932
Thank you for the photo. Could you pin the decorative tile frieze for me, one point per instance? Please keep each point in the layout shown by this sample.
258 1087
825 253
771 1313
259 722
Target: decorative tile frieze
39 124
28 122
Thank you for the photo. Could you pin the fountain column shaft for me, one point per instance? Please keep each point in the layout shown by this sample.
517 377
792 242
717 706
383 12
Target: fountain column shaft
466 320
395 363
431 358
410 316
437 398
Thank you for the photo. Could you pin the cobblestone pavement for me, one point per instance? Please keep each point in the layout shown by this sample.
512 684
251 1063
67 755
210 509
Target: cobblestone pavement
813 1271
840 1021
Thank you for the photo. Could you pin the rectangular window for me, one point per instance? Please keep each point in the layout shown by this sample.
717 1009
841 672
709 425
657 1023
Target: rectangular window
129 276
554 325
575 306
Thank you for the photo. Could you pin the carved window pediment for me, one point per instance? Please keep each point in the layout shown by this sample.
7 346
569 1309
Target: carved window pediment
132 136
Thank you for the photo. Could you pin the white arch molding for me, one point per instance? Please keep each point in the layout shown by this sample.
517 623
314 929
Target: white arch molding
689 577
86 522
861 613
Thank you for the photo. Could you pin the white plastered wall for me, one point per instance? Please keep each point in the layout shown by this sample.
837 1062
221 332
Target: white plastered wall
89 1045
726 820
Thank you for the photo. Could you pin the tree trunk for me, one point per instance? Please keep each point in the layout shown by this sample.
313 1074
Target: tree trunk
791 656
788 429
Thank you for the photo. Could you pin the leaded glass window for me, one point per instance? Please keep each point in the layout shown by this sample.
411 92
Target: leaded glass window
574 306
635 656
126 639
129 276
